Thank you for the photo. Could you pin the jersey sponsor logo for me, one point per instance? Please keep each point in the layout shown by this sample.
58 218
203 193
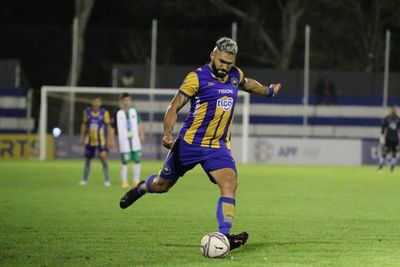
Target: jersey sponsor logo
225 103
234 82
225 91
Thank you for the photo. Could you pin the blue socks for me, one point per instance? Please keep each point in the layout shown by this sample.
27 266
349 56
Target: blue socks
86 171
225 213
146 186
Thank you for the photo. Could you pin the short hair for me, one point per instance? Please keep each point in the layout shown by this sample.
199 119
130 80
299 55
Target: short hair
227 45
123 95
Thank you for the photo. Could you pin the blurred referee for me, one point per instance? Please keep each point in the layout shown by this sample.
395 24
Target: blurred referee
389 139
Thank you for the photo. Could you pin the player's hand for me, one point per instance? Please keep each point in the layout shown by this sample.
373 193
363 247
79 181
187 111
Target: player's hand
276 87
168 141
81 141
382 140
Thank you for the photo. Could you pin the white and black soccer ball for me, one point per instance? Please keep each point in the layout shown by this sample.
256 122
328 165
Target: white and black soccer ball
214 245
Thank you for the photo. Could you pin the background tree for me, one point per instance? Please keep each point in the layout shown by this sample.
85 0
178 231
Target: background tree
274 33
83 9
354 37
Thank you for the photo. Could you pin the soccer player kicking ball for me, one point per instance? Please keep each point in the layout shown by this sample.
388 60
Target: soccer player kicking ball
130 136
97 134
205 136
390 138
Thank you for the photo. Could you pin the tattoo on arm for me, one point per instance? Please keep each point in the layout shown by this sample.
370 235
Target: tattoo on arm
182 100
170 118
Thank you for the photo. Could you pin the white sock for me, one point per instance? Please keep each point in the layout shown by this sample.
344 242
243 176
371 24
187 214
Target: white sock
124 173
393 161
136 172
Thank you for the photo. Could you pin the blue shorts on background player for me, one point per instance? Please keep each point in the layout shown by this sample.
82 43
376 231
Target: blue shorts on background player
205 136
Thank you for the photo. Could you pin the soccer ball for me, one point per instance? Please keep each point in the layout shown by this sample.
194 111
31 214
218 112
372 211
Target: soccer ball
214 245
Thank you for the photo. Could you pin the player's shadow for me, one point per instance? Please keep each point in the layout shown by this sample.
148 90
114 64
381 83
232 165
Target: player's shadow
258 245
180 245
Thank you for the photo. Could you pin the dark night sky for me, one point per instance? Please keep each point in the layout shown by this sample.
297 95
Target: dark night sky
38 38
38 33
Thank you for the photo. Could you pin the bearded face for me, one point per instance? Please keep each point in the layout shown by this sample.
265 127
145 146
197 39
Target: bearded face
221 63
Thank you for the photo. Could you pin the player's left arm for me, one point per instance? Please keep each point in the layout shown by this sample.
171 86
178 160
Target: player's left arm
141 133
141 129
252 86
110 130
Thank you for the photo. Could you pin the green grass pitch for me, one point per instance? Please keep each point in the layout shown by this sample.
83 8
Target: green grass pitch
295 215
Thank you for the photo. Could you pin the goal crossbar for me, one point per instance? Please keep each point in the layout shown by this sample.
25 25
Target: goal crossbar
111 90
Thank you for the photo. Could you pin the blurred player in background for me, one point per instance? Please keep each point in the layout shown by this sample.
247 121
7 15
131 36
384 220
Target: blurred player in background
205 137
130 136
96 135
389 139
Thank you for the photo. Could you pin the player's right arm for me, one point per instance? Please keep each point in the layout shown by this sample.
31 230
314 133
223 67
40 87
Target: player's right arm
188 89
83 129
384 125
171 116
110 138
382 137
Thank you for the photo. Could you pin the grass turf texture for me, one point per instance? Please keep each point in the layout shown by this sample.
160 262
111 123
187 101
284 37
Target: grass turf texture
296 216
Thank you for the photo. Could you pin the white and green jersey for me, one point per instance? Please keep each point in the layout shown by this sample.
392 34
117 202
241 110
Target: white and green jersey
128 130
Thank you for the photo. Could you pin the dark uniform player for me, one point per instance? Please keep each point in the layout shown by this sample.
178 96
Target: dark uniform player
390 138
205 137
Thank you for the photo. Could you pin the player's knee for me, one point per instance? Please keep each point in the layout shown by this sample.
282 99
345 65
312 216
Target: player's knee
229 183
234 184
161 189
161 186
103 157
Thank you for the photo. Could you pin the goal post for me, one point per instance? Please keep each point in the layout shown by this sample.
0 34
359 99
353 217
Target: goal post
242 109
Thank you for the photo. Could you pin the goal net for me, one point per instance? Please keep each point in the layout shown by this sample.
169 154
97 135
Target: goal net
62 110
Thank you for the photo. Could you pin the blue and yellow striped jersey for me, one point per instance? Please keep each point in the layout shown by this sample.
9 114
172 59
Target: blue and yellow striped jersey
209 123
96 123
